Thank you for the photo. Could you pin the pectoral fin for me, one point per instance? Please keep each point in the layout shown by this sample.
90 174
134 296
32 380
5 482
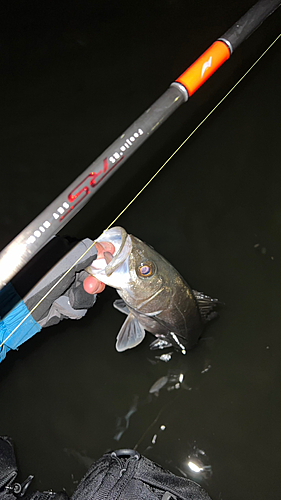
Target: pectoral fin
120 305
130 335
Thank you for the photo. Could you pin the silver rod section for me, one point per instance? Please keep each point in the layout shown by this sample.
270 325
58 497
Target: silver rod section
24 246
57 214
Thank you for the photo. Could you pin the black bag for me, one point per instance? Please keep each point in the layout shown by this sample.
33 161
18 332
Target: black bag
120 475
10 489
126 475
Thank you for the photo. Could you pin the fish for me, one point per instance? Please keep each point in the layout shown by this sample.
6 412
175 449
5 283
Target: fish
154 296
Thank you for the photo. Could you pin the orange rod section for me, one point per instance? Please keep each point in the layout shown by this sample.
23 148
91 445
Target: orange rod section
204 67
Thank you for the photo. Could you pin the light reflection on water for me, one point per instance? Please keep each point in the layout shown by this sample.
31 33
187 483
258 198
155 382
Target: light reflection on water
172 381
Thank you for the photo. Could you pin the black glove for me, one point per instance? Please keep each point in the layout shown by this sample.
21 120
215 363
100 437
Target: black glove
68 298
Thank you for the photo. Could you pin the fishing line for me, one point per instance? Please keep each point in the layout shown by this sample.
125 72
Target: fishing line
140 192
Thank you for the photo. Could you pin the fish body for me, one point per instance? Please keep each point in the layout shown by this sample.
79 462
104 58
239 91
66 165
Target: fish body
154 295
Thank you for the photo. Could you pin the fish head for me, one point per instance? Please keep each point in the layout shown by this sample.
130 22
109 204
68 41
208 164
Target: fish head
136 269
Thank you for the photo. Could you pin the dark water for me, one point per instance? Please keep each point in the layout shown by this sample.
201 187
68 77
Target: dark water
74 76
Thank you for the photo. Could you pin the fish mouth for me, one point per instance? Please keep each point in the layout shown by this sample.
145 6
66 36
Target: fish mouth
123 246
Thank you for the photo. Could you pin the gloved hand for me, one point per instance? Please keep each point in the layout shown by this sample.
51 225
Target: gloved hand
64 291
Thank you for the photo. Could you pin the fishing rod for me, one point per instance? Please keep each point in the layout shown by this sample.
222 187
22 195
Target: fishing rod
35 236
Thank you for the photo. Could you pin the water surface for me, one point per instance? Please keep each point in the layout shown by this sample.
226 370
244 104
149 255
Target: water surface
75 75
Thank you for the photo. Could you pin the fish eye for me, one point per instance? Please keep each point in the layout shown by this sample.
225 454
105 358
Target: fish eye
146 269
